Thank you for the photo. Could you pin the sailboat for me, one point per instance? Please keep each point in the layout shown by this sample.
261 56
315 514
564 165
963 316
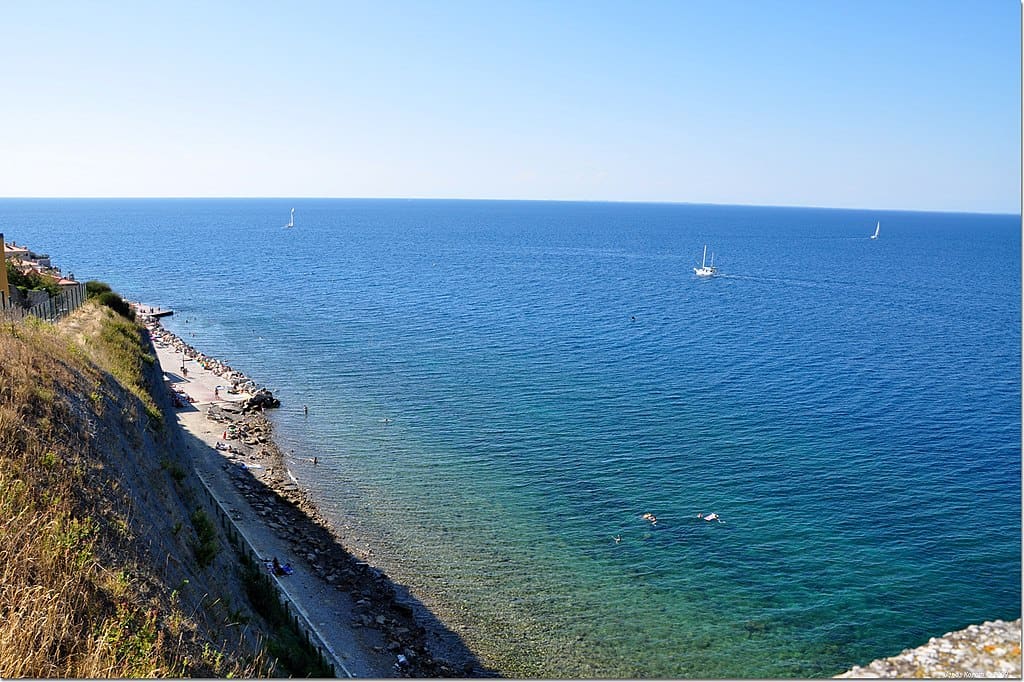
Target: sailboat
291 220
878 225
706 270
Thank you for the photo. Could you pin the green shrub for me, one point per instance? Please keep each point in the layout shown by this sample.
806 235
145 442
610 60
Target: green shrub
30 282
122 346
175 470
117 304
95 288
205 545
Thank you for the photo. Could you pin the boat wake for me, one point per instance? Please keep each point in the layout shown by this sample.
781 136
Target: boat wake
788 281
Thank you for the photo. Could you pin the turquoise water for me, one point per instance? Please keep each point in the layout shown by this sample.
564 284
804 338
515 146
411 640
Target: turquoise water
498 390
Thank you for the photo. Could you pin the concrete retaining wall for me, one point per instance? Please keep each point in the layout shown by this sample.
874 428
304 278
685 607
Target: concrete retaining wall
300 620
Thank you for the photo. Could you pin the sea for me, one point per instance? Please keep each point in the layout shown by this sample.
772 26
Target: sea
498 392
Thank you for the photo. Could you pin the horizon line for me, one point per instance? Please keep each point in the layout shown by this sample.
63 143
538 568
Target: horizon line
1019 212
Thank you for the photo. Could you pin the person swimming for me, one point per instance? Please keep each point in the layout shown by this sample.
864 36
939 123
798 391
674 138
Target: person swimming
648 516
709 517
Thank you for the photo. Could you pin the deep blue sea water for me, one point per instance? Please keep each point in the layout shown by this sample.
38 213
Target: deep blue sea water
498 390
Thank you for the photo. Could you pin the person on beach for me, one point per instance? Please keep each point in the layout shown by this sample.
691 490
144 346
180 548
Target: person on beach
278 569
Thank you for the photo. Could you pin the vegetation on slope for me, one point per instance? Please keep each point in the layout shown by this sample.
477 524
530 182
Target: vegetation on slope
90 584
32 281
119 347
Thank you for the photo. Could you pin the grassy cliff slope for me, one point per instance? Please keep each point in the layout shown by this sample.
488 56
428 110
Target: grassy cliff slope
109 563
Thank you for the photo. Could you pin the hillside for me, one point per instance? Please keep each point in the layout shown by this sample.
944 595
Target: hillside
110 565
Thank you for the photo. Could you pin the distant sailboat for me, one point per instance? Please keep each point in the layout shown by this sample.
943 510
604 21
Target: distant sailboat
291 219
706 270
878 225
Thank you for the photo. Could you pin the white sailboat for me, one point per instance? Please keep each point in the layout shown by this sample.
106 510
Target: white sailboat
878 225
706 270
291 219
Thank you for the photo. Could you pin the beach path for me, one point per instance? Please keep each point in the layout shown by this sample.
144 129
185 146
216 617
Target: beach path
328 610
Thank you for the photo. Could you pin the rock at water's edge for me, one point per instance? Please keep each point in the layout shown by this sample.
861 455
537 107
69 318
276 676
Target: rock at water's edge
992 649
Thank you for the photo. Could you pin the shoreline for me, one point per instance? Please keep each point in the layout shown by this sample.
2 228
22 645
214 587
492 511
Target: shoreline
257 482
380 629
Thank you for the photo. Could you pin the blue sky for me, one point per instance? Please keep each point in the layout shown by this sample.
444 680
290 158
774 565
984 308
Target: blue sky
889 104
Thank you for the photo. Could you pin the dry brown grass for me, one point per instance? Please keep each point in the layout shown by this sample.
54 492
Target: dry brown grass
75 600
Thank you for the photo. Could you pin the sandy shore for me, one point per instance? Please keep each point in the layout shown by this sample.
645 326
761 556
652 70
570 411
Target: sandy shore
372 627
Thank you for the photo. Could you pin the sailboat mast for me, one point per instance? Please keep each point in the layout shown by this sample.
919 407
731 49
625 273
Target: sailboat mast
705 256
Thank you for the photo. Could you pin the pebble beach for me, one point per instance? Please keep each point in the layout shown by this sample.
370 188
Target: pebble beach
372 626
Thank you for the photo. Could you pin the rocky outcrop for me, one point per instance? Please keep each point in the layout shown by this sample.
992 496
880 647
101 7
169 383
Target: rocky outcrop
263 398
992 649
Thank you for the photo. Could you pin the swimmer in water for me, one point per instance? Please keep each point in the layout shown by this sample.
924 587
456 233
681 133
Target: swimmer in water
650 517
710 517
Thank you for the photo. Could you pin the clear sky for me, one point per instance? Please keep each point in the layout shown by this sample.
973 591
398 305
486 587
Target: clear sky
844 103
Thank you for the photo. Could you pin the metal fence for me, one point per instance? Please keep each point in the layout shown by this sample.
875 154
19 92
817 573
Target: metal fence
52 309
